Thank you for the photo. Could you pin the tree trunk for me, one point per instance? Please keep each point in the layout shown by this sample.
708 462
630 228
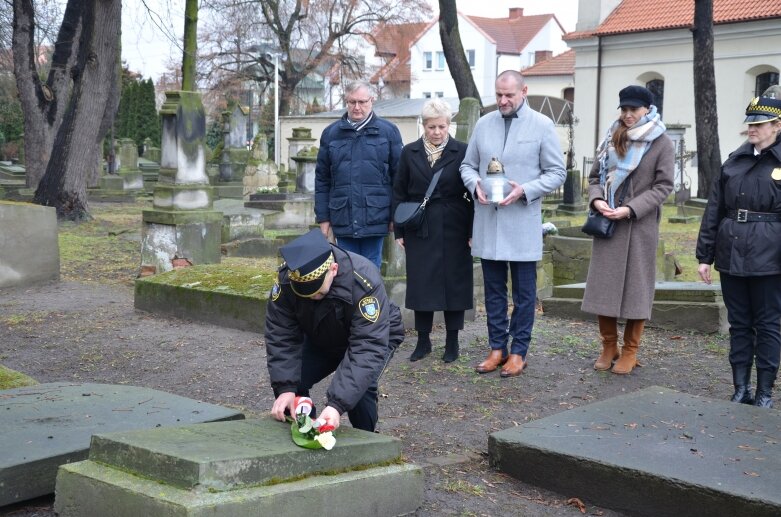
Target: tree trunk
708 154
454 51
190 45
79 138
43 104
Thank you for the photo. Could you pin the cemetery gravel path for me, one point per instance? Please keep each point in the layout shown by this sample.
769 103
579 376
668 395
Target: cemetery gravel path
89 332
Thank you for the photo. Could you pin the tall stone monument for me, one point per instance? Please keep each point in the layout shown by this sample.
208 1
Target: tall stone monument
182 226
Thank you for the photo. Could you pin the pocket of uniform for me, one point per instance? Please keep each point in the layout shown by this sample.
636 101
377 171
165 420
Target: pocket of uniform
377 209
339 211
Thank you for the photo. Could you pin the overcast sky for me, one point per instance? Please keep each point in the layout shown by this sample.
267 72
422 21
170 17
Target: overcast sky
147 50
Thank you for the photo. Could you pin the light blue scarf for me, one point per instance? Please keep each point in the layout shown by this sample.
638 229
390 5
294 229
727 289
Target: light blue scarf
613 170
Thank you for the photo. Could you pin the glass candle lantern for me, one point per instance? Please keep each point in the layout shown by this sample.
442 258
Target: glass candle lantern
495 183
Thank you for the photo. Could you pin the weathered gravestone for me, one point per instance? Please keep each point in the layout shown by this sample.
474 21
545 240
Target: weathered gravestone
182 224
47 425
29 249
128 176
238 469
655 452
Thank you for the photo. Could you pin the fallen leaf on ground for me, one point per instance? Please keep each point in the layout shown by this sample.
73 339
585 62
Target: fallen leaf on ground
574 501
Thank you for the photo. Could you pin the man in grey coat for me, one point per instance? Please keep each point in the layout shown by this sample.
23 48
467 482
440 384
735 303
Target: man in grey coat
508 234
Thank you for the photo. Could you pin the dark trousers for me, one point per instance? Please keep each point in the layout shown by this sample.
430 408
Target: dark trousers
524 291
754 314
424 320
317 364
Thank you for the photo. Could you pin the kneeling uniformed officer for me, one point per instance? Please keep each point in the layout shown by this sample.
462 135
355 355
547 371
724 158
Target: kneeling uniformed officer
329 312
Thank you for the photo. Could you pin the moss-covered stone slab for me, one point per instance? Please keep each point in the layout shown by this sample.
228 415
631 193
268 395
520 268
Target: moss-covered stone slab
228 455
89 489
231 296
654 452
47 425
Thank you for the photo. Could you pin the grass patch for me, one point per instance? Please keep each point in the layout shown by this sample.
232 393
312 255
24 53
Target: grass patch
13 320
246 277
12 379
463 487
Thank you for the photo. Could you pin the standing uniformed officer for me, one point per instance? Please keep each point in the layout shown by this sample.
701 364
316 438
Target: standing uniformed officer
329 313
741 233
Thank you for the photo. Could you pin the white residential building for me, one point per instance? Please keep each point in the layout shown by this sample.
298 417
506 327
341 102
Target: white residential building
626 42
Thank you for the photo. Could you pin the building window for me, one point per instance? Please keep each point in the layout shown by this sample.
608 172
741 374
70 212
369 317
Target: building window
440 60
470 58
427 62
656 86
439 94
426 95
765 81
569 94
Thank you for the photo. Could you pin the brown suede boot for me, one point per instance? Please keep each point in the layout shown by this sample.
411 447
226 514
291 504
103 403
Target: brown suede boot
628 360
608 331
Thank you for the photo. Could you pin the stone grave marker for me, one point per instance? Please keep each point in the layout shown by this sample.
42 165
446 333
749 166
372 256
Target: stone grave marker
47 425
238 468
654 452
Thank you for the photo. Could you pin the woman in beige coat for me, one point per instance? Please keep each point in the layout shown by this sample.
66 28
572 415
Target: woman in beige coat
636 156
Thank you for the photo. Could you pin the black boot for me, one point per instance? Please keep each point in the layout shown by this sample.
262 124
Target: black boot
451 346
423 348
741 379
765 381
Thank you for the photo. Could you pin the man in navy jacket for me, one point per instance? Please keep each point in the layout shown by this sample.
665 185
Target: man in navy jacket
356 163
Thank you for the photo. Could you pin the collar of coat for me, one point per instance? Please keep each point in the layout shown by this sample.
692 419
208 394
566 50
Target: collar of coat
748 149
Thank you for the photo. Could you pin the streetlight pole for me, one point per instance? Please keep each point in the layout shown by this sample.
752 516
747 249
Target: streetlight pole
277 146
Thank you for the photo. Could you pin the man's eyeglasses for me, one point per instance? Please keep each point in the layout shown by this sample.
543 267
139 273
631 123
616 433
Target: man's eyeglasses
358 102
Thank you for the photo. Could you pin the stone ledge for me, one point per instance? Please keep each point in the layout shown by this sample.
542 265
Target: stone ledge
655 452
88 489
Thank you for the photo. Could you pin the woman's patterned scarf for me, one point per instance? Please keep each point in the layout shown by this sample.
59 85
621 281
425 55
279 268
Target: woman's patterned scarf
434 152
613 170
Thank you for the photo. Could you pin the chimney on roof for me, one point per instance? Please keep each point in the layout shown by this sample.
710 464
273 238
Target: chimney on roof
542 55
516 12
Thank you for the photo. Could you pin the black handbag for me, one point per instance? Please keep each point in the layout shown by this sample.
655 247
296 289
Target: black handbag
410 214
599 226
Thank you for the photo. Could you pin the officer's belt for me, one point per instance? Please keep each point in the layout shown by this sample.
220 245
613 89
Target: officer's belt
746 216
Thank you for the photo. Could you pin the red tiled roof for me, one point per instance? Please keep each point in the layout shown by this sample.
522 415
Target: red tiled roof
563 64
395 39
512 35
643 16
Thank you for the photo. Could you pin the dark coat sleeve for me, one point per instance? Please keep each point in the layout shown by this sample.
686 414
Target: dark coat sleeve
401 187
284 343
709 225
323 178
367 350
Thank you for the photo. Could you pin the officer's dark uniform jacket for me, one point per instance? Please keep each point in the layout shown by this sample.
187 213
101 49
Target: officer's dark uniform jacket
355 318
354 177
744 248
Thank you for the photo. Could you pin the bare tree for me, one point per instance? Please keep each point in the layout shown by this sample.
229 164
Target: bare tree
454 51
708 154
303 33
67 115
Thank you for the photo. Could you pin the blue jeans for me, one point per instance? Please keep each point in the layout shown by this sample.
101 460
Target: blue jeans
369 247
524 289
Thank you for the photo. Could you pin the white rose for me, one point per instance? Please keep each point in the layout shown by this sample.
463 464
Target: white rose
327 440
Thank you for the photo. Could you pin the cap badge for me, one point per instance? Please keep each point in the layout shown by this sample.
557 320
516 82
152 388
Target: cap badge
754 101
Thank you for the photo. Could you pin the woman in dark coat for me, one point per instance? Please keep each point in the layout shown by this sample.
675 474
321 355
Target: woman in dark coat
639 157
439 261
741 232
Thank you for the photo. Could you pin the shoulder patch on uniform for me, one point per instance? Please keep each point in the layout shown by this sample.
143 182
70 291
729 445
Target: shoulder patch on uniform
275 290
370 308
